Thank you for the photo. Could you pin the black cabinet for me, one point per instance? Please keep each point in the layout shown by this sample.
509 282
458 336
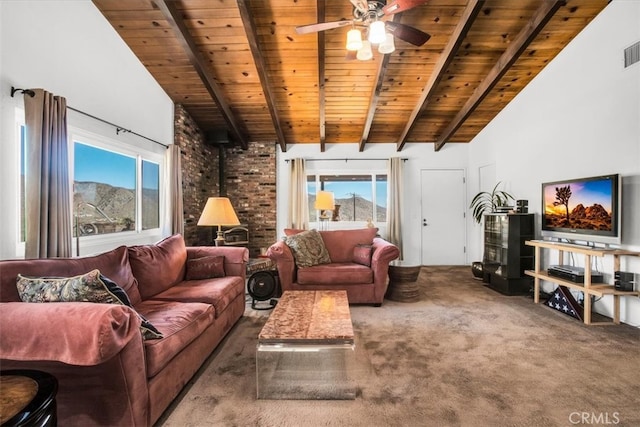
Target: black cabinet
506 256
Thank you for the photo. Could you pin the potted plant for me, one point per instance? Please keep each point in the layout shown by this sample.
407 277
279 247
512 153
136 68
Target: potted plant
485 202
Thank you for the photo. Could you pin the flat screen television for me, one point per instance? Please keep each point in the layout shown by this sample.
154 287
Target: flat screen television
584 209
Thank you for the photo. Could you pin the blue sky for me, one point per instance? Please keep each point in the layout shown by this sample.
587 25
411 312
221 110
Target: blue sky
96 165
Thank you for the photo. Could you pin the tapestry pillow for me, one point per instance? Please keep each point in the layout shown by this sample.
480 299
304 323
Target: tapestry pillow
89 287
362 254
207 267
308 248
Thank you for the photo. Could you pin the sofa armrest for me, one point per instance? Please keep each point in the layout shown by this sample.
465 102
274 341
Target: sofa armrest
76 333
281 254
383 253
235 257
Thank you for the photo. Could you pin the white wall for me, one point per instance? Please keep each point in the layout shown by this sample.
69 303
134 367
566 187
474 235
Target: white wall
579 117
68 48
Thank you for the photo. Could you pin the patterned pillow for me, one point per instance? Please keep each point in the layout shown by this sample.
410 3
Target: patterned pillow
89 287
308 248
362 254
207 267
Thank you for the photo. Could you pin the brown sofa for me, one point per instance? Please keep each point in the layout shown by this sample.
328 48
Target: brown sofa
364 284
107 373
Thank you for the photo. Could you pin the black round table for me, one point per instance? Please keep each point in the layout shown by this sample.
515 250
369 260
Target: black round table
28 398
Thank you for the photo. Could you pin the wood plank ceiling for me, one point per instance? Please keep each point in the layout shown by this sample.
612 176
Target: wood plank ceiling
239 65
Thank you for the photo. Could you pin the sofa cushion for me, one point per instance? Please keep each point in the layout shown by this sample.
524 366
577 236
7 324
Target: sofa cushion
113 264
335 273
89 287
219 292
160 266
207 267
308 248
340 243
180 322
362 255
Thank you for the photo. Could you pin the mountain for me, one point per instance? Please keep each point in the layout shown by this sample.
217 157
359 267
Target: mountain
103 208
362 207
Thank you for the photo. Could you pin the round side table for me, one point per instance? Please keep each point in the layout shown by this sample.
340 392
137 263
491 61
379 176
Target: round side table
403 286
28 398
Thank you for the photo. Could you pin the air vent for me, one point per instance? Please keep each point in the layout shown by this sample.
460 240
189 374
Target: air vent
632 54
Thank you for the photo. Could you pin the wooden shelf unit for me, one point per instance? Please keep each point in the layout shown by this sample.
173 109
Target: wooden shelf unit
588 288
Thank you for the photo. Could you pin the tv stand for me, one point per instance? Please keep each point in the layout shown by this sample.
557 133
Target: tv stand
588 287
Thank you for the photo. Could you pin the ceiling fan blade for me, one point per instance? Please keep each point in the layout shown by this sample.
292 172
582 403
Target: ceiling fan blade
407 33
321 26
397 6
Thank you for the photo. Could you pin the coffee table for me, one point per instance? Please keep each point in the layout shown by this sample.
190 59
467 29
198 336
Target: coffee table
306 349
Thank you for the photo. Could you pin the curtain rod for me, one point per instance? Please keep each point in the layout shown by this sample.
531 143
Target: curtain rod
346 160
119 129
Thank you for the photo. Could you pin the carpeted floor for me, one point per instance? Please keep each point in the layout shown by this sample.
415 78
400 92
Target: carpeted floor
463 355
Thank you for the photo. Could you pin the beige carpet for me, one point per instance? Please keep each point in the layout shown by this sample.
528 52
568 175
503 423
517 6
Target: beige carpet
463 355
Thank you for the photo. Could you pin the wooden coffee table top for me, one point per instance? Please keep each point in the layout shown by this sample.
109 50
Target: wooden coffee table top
309 317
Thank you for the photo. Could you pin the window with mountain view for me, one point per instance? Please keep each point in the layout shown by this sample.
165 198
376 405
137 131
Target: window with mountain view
104 191
357 197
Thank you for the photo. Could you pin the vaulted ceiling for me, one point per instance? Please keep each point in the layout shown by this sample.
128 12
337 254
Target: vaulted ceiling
240 65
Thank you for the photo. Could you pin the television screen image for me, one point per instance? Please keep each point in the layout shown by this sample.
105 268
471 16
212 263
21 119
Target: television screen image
584 209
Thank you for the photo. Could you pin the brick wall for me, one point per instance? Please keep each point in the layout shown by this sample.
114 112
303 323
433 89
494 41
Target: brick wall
250 183
199 175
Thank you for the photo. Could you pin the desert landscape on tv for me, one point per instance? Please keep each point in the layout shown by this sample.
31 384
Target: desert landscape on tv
584 206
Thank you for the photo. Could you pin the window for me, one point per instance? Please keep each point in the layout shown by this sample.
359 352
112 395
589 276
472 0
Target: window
114 189
358 197
22 216
107 196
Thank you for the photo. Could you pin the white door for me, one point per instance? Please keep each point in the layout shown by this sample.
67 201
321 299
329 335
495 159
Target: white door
443 217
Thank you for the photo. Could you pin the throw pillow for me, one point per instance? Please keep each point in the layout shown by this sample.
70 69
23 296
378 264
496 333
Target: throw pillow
308 248
362 254
89 287
207 267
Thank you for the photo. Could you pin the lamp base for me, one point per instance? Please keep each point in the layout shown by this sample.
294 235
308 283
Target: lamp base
219 240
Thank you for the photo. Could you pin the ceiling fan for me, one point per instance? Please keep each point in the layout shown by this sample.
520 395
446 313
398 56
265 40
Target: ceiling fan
366 13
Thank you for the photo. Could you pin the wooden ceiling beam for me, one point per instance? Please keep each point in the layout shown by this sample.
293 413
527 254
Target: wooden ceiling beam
375 94
174 18
540 18
446 57
321 15
261 66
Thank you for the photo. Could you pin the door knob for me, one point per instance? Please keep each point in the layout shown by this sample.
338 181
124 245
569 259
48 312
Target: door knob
424 223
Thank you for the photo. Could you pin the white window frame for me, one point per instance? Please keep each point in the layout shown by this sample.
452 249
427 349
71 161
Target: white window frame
19 123
372 173
100 242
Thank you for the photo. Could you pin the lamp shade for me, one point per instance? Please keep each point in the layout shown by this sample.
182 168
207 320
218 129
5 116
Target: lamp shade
388 45
218 211
365 52
325 201
354 39
376 32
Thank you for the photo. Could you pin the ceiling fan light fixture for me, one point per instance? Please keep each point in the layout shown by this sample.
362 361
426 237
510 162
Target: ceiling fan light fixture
376 32
388 45
354 40
365 53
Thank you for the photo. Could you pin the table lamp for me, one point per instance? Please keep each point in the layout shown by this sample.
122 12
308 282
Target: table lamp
218 211
324 202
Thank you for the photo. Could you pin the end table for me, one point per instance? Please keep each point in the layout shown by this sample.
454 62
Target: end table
403 286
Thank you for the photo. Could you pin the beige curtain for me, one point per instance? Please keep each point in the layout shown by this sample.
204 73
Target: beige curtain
298 198
394 208
175 190
47 192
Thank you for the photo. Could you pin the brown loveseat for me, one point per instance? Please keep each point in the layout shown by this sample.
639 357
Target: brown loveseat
107 373
347 268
